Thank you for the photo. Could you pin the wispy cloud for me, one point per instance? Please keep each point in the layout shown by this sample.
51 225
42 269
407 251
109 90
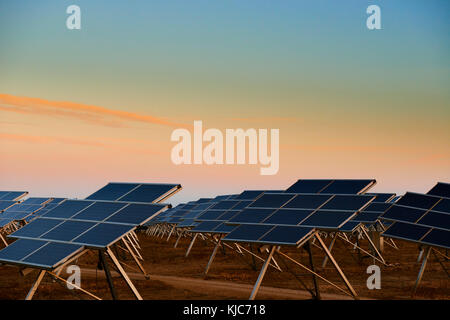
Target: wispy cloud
90 113
271 119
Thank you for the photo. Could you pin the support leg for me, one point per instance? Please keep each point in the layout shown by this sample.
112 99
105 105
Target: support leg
136 259
261 274
311 262
211 258
325 260
35 285
107 274
191 245
422 269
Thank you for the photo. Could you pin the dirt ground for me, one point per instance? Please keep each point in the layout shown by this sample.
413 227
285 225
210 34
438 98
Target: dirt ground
232 275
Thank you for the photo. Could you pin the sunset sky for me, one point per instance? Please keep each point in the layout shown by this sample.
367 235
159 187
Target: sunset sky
80 108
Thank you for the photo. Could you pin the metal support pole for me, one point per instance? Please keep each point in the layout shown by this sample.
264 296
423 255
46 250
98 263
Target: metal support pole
191 245
261 274
422 269
325 260
311 262
213 254
107 274
123 274
136 259
336 266
179 237
35 285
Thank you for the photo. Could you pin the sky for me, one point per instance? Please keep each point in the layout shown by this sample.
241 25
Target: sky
81 108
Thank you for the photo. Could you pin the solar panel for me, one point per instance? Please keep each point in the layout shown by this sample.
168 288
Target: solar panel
382 197
249 195
225 204
36 201
36 228
284 235
350 226
67 230
68 209
248 233
136 214
417 200
4 204
435 219
251 215
304 201
12 195
442 206
103 235
224 228
288 216
325 219
440 238
206 226
348 186
400 213
134 192
347 202
41 254
228 215
99 211
406 231
441 189
308 186
210 215
271 200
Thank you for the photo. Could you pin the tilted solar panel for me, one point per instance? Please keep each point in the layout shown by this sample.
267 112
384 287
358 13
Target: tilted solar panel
328 219
270 200
349 186
12 195
308 186
417 200
441 189
288 216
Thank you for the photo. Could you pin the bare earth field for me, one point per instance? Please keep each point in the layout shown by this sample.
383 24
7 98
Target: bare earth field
173 276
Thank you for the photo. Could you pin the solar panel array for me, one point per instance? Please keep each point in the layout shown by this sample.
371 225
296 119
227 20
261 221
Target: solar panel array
331 186
421 218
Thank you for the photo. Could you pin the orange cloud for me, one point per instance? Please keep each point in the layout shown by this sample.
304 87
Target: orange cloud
90 113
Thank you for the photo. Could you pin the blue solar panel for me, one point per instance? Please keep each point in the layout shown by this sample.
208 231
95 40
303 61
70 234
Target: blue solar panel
288 216
6 204
136 214
99 211
405 231
249 195
68 209
286 235
250 215
52 254
67 230
367 217
435 219
307 201
206 226
350 226
308 186
440 238
187 223
348 186
211 215
441 189
328 219
223 228
103 235
248 233
19 249
382 197
377 207
226 204
12 195
36 200
269 200
150 192
228 215
418 200
36 228
347 202
242 204
113 191
407 214
442 206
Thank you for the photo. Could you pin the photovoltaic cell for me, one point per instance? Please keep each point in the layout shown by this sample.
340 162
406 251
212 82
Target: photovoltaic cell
441 189
67 231
350 226
99 211
19 249
328 219
149 192
251 216
103 234
406 231
407 214
228 215
417 200
307 201
6 204
288 217
242 204
377 207
112 191
206 226
211 214
440 238
271 200
136 214
52 254
442 206
244 233
36 228
284 235
226 204
436 220
68 209
249 195
308 186
344 202
224 228
382 197
348 186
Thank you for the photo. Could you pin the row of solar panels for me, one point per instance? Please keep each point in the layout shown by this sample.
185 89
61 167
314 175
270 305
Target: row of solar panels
71 226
